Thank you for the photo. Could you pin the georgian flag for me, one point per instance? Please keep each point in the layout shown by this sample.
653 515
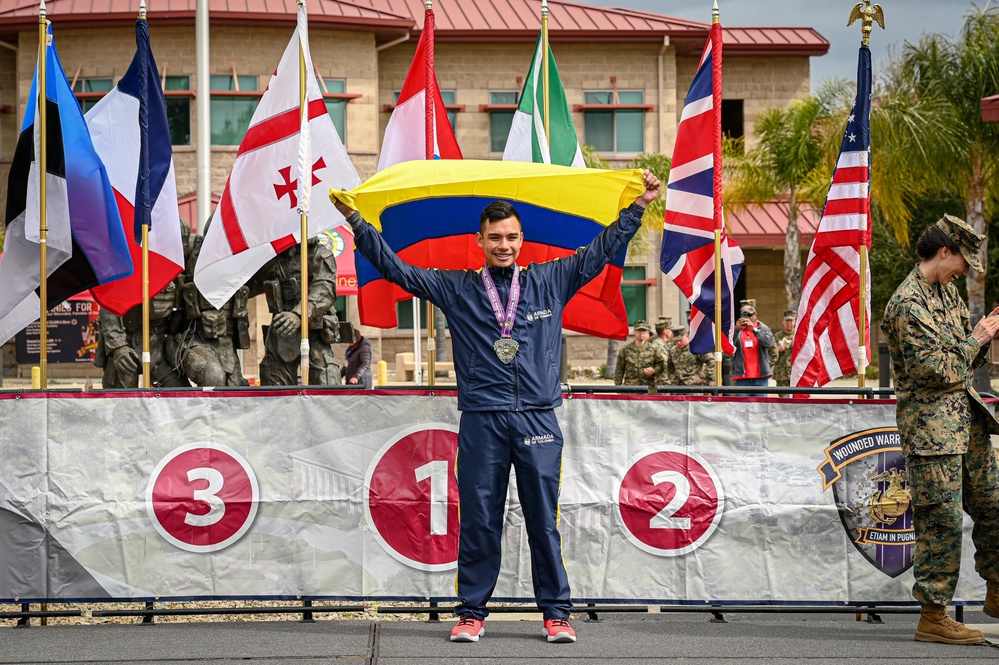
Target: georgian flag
258 216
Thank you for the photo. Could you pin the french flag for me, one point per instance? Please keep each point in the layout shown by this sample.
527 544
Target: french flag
131 136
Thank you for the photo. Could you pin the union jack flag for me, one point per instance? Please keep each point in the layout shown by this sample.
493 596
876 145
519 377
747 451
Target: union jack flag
694 207
827 335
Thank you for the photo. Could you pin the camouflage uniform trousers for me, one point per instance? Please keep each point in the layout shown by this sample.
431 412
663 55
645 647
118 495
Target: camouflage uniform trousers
943 488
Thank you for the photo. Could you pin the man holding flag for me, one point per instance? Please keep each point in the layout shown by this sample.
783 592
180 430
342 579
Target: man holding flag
506 327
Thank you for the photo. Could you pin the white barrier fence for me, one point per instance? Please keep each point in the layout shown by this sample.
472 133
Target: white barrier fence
352 495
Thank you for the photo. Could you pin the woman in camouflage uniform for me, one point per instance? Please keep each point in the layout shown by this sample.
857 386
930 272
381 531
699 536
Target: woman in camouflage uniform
944 425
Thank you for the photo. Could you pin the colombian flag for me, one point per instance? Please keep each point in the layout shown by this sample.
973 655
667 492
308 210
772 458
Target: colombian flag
428 212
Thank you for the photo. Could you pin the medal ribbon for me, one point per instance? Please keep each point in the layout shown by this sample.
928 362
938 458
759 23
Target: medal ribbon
505 320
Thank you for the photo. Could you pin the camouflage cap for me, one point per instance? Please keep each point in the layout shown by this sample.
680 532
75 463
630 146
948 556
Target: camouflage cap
790 314
968 241
641 324
679 331
663 323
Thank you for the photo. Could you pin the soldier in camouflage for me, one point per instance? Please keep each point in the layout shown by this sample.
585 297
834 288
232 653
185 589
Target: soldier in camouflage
944 425
640 362
780 352
687 368
664 341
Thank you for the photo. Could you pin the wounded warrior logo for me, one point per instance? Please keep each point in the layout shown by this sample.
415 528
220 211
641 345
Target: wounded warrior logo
870 485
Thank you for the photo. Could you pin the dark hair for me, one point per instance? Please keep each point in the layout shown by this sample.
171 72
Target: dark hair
496 211
932 240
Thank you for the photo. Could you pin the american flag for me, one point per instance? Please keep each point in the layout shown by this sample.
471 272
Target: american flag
694 206
827 335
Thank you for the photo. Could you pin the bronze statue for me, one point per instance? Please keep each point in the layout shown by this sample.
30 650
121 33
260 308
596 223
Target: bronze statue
280 280
205 349
119 344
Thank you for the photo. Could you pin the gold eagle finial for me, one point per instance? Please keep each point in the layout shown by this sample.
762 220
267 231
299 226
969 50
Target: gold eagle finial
868 14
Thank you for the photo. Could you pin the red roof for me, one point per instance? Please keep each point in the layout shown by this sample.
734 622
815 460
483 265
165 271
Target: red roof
102 12
766 225
990 109
465 20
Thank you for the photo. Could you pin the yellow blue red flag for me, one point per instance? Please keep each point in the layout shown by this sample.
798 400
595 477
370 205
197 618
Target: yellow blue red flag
428 212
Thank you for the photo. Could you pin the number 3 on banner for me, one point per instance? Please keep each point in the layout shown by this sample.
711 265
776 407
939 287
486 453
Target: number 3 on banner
669 502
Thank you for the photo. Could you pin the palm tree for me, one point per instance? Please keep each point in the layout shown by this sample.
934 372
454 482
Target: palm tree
780 166
957 75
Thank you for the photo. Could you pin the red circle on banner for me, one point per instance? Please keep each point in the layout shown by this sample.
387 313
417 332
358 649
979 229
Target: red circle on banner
202 497
411 497
669 502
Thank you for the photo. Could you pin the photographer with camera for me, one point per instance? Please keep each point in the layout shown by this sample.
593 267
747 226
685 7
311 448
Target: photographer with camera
751 365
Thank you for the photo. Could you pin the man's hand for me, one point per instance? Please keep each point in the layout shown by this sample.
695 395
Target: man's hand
352 380
285 323
342 207
648 371
652 189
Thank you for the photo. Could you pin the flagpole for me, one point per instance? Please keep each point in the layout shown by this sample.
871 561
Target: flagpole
716 83
429 96
544 72
144 81
43 291
303 109
868 16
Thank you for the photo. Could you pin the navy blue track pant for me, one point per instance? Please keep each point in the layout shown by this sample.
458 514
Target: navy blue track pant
488 443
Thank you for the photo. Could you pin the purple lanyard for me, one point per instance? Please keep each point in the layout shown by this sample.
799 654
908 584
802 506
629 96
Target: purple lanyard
505 320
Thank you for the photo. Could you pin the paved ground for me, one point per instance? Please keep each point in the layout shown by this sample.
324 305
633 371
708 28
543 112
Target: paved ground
815 639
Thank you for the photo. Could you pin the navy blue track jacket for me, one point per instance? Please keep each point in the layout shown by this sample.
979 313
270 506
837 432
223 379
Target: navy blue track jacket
531 381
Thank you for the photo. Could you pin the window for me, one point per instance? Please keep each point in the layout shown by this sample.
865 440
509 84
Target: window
500 119
90 91
340 306
176 91
634 294
232 112
449 100
337 107
732 118
620 128
404 314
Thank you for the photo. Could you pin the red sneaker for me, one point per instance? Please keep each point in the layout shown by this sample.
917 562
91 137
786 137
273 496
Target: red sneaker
559 630
468 630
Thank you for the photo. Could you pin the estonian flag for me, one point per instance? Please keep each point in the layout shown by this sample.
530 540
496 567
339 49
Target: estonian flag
86 243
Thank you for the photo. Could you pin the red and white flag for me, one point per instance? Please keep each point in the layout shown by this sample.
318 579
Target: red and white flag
282 156
406 136
827 341
140 167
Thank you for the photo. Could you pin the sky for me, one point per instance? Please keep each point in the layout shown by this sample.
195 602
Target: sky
905 20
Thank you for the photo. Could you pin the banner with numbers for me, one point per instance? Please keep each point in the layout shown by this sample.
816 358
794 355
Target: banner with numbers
352 495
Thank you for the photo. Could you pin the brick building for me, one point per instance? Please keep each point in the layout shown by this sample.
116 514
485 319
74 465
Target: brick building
625 74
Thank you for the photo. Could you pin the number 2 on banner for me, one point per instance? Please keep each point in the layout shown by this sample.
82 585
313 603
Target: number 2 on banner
669 501
436 471
664 518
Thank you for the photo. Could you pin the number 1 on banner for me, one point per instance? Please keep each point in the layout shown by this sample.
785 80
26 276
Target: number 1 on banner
436 471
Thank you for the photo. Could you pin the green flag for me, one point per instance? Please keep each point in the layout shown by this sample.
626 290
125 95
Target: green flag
527 141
